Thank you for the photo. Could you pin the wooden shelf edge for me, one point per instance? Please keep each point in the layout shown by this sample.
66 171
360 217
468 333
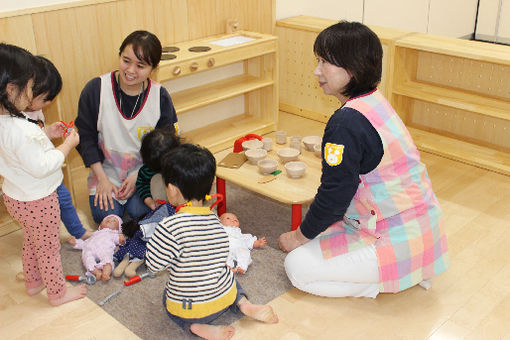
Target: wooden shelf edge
455 47
454 98
215 92
460 151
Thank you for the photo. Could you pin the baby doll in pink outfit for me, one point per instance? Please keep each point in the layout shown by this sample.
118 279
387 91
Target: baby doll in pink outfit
98 249
239 244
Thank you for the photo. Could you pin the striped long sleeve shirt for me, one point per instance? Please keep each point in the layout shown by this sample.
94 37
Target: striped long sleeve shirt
193 247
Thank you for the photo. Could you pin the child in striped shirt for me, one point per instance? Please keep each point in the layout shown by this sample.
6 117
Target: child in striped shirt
193 246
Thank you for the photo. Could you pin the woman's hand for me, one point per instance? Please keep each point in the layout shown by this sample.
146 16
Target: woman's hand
127 188
55 130
291 240
104 193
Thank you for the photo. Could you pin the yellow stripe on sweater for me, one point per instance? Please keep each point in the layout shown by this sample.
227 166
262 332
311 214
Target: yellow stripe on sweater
200 310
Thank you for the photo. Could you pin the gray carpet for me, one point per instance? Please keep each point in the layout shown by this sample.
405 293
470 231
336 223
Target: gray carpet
139 306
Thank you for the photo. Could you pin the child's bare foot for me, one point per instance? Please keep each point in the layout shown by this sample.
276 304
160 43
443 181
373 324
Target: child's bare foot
107 271
262 313
211 332
35 290
86 235
72 293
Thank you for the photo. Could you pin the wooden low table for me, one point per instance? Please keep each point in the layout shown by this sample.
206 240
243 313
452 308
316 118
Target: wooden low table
293 191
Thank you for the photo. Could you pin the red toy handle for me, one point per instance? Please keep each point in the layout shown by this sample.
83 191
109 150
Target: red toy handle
73 277
132 280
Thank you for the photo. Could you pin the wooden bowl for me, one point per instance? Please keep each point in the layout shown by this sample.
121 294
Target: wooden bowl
255 155
311 141
288 154
295 169
266 166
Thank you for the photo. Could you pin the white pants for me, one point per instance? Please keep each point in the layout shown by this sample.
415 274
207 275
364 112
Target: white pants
353 274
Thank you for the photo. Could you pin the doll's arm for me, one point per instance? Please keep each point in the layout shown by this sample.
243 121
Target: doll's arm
260 242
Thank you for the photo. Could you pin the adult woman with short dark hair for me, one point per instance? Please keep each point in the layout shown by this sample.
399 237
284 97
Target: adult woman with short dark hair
374 225
115 111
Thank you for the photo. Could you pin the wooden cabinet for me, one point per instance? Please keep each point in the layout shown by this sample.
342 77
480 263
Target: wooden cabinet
454 96
257 84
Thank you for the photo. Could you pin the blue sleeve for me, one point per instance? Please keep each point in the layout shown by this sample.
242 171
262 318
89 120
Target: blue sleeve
168 115
358 150
86 123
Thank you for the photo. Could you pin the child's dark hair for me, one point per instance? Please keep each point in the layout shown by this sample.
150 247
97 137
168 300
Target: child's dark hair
155 144
47 79
16 67
146 46
357 49
191 168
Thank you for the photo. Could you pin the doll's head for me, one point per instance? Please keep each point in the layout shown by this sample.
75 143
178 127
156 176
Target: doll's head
230 220
112 222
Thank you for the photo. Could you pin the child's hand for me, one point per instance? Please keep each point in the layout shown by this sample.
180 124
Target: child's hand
260 242
122 239
72 241
55 130
72 138
150 203
127 188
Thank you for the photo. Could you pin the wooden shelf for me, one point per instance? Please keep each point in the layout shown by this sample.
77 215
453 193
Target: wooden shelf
214 92
220 135
459 99
461 151
475 50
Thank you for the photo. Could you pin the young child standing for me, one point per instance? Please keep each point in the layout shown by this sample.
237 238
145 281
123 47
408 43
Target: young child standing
47 85
193 246
31 167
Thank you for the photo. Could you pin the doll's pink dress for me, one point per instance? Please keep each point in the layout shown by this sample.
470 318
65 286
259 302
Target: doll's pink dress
98 249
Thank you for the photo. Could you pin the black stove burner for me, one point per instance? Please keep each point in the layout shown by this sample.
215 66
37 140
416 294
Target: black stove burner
199 49
170 49
168 56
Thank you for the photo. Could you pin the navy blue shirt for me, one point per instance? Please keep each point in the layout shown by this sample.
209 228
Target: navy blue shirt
362 152
88 111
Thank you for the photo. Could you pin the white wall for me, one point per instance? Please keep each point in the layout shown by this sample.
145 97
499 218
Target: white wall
454 18
11 5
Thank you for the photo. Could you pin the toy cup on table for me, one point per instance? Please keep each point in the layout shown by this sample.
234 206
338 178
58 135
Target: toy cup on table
311 141
295 169
281 137
295 143
267 143
255 155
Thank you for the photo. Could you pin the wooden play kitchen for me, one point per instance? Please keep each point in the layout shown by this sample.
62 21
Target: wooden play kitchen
258 85
293 191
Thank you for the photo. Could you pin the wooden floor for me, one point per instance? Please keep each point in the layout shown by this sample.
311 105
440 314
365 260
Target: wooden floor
470 301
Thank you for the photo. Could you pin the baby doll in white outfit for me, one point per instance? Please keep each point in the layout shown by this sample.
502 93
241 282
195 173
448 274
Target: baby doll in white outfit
98 249
239 244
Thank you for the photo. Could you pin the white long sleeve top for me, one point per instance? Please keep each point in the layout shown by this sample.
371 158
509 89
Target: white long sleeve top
29 162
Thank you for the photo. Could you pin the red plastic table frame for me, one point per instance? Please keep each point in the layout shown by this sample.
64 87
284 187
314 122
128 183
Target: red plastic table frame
222 206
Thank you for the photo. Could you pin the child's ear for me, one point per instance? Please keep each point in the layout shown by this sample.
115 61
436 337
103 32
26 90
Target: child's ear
11 90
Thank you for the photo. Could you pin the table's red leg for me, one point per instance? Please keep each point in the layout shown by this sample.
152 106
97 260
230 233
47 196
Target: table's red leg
296 216
220 189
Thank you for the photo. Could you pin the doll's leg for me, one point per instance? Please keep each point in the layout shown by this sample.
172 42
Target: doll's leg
107 271
132 267
121 267
243 259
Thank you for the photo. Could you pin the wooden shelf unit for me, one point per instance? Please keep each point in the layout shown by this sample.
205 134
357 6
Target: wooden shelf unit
454 96
258 84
